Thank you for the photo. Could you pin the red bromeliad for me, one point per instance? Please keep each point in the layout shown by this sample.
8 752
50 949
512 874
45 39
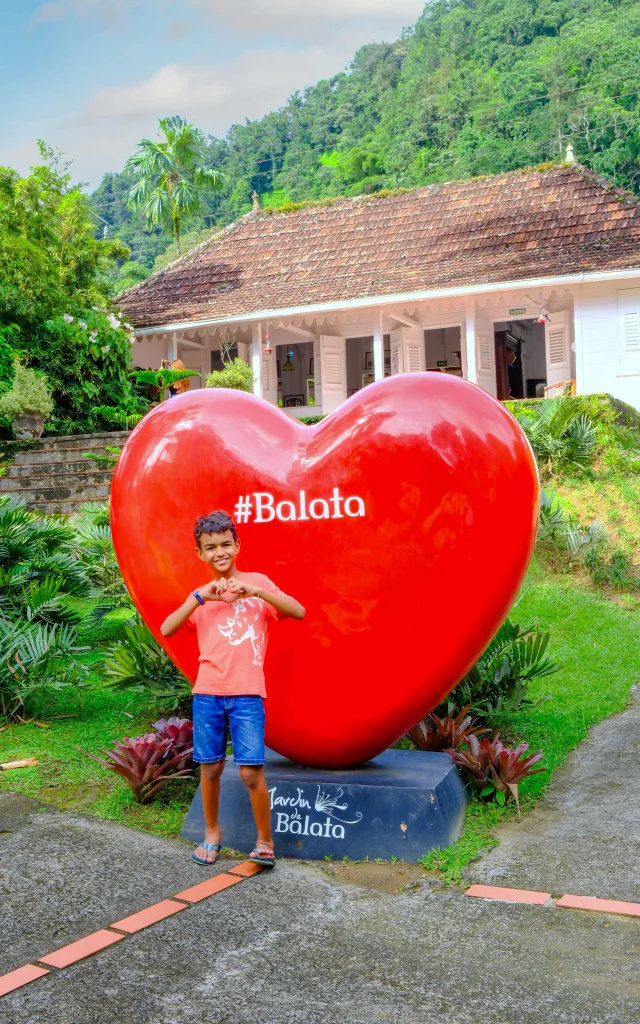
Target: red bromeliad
494 768
146 763
433 733
180 732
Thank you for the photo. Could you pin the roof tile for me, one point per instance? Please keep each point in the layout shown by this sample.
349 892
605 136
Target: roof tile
509 227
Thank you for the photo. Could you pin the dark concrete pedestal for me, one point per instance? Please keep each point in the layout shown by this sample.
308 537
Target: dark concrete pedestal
402 804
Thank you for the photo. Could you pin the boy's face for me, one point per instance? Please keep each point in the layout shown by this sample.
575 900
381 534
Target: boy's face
219 550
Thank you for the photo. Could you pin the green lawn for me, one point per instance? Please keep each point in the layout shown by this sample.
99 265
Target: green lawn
595 640
90 719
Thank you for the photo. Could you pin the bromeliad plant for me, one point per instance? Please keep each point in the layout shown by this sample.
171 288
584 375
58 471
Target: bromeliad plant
148 763
180 732
434 733
496 770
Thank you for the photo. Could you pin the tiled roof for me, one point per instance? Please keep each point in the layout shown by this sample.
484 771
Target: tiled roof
510 227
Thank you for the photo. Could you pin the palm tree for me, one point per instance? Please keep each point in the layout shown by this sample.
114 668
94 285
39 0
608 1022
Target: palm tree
172 175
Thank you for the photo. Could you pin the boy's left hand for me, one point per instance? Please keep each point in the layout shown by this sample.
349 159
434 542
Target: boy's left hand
241 588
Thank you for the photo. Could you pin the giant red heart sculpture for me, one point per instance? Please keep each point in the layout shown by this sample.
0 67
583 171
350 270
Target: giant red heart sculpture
404 523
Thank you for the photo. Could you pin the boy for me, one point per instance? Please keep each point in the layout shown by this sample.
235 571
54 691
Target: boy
231 614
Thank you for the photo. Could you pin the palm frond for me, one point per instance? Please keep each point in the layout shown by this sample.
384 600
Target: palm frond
157 208
208 177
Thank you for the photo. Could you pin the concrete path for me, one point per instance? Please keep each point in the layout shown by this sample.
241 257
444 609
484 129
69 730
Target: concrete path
289 947
584 838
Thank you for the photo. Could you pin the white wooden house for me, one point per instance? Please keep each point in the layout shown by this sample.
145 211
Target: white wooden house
448 278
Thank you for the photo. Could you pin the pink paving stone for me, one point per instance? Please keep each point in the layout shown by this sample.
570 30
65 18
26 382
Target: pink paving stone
75 951
151 915
208 888
247 868
22 976
493 892
600 906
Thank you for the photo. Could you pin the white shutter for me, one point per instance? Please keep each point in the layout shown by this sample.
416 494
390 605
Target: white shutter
486 357
317 367
333 363
268 377
629 320
413 352
557 346
485 353
631 331
396 352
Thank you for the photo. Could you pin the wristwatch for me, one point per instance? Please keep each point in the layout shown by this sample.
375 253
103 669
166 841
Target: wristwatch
199 599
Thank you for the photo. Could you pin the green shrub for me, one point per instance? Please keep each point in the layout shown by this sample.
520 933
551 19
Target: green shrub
499 680
140 664
88 354
562 437
560 529
617 571
7 366
39 644
237 375
29 392
95 552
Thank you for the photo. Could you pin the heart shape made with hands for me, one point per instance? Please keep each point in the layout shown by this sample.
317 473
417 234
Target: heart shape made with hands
404 522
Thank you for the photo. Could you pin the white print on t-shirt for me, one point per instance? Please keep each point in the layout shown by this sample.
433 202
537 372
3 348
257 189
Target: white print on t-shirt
245 625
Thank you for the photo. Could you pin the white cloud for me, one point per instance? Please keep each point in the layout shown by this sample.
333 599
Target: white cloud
112 12
314 19
100 135
286 17
107 130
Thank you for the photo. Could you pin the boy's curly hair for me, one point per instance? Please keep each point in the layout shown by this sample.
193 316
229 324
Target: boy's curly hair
215 522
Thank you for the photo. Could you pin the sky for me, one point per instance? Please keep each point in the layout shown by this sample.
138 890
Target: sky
92 77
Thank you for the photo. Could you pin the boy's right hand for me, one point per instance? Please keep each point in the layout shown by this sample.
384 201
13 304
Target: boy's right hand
213 590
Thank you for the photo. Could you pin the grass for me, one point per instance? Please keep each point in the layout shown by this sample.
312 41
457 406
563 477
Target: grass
70 721
596 641
68 778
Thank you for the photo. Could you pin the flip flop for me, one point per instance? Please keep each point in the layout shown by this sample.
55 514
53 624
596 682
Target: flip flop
258 855
216 847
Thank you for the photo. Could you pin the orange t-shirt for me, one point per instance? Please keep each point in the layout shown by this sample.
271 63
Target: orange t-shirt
232 638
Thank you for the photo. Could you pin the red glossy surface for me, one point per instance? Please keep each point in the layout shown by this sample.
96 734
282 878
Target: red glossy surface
400 601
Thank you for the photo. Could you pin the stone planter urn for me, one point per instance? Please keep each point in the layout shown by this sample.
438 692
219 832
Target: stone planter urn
28 427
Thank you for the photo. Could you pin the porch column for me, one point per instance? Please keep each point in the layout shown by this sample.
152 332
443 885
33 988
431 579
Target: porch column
256 358
172 348
378 346
470 344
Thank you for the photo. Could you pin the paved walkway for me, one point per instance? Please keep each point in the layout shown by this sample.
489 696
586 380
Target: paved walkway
584 838
291 947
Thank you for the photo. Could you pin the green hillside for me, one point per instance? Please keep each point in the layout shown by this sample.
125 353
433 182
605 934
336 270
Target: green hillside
474 87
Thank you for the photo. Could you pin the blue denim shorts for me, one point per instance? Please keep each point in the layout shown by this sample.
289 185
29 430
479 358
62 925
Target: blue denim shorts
243 716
